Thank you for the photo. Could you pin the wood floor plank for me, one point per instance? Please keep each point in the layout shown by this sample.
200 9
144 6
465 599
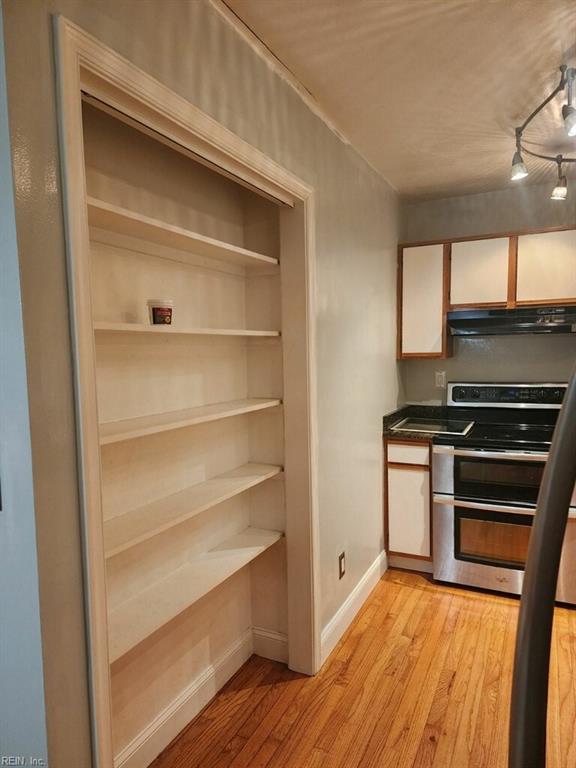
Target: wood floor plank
421 679
562 747
389 738
348 740
484 747
461 665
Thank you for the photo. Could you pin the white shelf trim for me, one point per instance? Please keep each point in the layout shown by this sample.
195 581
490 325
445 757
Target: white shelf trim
138 525
122 221
105 327
139 616
128 429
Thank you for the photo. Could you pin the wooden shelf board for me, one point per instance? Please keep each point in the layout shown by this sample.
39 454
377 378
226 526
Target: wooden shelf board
141 615
138 525
128 429
124 222
105 327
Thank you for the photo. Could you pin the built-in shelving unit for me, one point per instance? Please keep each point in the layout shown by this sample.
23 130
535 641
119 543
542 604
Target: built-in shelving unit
143 613
113 218
128 429
190 421
138 525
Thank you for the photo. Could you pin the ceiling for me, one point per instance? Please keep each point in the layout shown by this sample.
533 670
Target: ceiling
429 91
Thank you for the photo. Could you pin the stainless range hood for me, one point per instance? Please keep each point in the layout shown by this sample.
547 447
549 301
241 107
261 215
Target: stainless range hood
500 322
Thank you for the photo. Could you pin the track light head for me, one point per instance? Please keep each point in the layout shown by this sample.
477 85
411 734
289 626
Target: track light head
560 191
569 115
519 170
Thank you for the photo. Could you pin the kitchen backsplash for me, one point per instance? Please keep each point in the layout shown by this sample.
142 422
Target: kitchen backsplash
492 358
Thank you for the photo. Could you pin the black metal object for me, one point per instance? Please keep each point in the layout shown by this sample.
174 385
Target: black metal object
497 322
567 76
529 705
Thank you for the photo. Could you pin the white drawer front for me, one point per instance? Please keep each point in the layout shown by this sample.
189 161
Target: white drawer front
409 454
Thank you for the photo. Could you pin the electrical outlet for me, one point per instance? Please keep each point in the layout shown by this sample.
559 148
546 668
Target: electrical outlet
341 565
440 379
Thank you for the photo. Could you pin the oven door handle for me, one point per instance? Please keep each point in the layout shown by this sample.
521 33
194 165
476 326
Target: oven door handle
481 454
450 501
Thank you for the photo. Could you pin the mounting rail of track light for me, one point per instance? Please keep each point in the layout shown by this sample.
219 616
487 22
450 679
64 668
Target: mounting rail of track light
519 170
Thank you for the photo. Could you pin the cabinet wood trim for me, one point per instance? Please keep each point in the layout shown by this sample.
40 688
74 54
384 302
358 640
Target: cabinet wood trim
427 558
399 285
512 271
406 465
546 302
480 305
446 276
491 236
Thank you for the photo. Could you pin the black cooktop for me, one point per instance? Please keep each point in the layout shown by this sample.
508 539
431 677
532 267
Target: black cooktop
508 416
533 432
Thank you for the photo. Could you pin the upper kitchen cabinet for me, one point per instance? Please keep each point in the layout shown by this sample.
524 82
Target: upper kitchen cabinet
479 272
547 267
423 298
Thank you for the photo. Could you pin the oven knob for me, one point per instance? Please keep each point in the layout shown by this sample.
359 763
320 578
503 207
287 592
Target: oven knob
459 393
475 394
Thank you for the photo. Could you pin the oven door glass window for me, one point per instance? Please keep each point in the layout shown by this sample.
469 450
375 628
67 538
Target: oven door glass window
492 538
497 479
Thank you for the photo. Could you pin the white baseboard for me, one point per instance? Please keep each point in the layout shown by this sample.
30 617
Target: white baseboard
342 619
168 724
270 644
410 563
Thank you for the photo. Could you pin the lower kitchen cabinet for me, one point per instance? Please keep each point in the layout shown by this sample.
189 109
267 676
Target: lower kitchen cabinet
408 504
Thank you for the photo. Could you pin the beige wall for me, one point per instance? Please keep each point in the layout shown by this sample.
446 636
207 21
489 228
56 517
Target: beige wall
505 358
189 46
515 208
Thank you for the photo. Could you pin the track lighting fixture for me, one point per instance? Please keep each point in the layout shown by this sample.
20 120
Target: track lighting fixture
560 191
569 115
519 169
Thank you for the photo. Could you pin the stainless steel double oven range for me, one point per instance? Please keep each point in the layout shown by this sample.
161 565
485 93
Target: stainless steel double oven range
485 485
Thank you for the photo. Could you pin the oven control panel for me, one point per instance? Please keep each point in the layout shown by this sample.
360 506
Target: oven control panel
506 395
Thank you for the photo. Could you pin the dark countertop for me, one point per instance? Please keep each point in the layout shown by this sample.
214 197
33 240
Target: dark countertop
417 411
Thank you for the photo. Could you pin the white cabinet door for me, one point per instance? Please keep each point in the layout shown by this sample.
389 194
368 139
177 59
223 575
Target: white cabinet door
409 511
547 266
422 300
479 271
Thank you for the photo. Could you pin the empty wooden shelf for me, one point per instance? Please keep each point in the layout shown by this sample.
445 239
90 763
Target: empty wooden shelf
138 525
141 615
105 327
124 222
128 429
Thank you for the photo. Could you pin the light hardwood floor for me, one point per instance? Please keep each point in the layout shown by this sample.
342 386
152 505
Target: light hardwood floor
420 680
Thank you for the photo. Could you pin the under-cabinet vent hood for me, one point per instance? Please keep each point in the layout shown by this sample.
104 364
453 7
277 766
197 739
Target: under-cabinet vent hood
499 322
